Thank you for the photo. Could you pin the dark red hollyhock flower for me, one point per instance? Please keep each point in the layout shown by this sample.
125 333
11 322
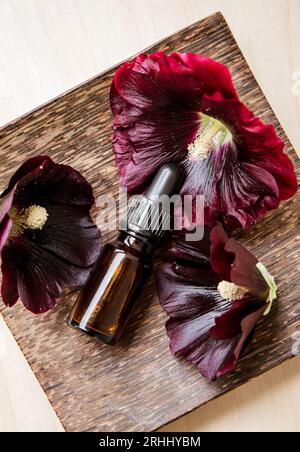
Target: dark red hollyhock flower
48 241
214 291
184 108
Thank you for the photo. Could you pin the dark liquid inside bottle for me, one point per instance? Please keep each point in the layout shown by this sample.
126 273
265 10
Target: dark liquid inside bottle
107 300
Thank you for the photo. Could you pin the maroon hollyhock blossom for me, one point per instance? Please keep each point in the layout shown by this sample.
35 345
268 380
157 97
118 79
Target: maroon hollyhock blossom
214 291
184 108
48 241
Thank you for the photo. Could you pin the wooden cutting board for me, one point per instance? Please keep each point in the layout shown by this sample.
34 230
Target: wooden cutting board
138 385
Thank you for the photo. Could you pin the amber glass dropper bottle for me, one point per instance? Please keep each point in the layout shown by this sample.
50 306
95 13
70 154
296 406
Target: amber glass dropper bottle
107 300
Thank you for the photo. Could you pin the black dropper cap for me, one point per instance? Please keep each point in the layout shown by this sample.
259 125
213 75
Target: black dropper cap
167 181
147 215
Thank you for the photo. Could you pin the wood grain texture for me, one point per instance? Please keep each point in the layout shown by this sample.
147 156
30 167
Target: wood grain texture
138 385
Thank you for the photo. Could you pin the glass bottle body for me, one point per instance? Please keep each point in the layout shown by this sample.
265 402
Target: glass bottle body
107 300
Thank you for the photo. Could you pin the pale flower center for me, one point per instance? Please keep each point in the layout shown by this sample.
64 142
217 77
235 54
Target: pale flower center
212 134
36 217
33 217
231 291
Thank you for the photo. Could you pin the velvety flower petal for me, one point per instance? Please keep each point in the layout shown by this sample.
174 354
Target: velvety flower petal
202 179
33 166
161 104
178 248
40 276
233 262
47 236
69 234
227 338
248 329
258 144
247 192
42 182
9 289
242 181
5 228
221 260
6 201
238 191
208 330
185 290
155 101
186 76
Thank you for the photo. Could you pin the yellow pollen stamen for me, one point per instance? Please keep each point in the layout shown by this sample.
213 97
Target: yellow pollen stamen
33 217
36 217
212 134
231 291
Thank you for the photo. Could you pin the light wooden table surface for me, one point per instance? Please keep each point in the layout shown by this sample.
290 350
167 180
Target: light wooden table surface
46 48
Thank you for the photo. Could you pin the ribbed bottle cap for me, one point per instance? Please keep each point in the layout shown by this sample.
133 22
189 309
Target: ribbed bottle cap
149 214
